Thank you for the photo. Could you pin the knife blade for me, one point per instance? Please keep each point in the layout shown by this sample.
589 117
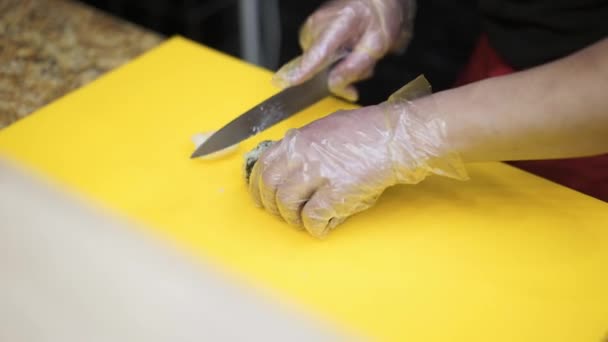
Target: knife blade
267 113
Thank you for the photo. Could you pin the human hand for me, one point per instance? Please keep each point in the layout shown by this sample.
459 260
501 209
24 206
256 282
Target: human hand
322 173
360 31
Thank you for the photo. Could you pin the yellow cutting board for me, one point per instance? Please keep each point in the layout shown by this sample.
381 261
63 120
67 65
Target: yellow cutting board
506 256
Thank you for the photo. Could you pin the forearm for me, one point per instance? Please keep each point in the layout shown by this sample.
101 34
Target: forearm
557 110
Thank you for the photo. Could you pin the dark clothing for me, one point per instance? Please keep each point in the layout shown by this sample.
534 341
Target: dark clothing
527 33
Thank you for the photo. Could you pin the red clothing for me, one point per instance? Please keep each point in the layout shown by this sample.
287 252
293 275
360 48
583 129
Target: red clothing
587 175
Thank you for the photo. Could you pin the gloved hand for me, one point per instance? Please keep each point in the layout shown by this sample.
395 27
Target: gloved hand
362 31
322 173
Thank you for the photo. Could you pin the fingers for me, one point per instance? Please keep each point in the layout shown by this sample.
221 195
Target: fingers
293 195
281 184
358 66
348 93
269 181
265 176
322 52
329 207
283 187
318 212
302 196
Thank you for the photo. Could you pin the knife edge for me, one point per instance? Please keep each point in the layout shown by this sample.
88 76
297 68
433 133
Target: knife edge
266 114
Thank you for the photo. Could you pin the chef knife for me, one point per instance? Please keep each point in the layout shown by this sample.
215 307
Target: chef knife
268 113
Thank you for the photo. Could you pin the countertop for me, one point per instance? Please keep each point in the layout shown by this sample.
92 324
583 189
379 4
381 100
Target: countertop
51 47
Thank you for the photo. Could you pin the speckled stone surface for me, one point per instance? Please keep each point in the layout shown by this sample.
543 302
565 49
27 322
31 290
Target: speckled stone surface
51 47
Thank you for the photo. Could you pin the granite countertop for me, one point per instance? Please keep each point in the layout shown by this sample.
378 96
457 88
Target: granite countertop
51 47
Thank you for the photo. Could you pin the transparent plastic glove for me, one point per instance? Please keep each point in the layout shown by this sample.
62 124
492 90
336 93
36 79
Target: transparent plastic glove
361 31
322 173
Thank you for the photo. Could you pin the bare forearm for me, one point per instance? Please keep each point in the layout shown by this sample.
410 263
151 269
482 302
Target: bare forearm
557 110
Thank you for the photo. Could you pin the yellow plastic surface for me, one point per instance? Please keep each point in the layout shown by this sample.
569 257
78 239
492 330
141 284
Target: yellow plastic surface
506 256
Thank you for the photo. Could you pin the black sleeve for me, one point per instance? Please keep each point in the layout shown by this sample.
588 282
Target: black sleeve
527 33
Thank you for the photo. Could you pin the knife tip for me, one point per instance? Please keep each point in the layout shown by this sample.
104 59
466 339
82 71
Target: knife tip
194 155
